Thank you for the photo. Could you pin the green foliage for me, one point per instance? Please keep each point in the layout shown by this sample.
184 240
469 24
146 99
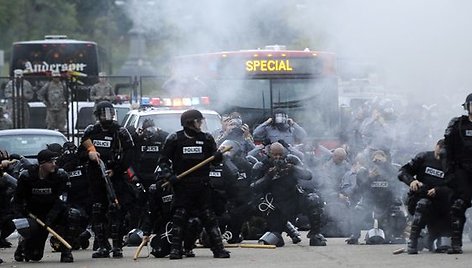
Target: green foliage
96 20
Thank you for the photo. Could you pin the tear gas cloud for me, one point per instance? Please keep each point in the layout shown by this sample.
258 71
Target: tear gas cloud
419 48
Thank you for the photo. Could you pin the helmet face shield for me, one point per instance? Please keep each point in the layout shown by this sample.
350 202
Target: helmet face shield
108 114
468 107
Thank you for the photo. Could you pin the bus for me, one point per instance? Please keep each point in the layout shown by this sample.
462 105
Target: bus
55 53
303 83
77 61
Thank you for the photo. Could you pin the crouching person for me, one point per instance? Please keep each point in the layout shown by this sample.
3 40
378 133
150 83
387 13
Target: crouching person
38 191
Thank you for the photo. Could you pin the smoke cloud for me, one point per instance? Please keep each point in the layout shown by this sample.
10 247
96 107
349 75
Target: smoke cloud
417 48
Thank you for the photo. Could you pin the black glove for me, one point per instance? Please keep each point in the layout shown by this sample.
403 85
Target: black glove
172 179
218 156
15 156
48 221
284 143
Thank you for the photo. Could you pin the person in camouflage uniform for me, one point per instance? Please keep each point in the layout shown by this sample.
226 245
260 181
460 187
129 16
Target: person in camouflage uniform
17 100
54 95
102 90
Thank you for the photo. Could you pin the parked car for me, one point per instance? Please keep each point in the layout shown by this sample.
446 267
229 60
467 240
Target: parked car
29 141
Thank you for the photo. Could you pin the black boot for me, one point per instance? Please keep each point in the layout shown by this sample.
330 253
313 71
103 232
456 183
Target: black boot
293 233
457 228
189 253
221 253
317 240
101 253
218 249
84 239
20 255
175 254
353 240
117 253
66 256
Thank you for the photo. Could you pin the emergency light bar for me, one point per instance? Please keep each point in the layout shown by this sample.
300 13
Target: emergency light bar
174 102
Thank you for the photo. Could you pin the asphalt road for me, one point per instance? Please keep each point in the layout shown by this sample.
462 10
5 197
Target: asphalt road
336 254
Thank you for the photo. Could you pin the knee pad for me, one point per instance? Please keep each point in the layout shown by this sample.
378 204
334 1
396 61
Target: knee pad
458 208
180 217
160 246
97 210
423 206
208 218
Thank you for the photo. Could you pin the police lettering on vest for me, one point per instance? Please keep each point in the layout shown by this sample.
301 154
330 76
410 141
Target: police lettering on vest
434 172
41 191
149 148
75 173
192 150
102 143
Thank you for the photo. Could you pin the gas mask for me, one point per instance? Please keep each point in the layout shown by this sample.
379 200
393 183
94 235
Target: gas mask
149 133
280 118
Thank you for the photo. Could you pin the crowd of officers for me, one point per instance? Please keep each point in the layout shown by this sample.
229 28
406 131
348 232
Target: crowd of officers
134 185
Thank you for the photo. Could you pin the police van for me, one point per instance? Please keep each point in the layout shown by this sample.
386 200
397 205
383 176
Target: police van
165 113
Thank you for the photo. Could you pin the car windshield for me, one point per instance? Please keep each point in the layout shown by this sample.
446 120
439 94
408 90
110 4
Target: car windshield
171 122
28 144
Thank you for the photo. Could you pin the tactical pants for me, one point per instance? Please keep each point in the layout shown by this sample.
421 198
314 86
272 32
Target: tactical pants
461 184
56 119
194 196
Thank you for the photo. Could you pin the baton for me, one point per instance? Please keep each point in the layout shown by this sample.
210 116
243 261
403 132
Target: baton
51 231
138 250
399 251
199 165
257 246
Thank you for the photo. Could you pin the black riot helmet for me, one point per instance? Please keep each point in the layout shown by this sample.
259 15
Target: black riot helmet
188 117
105 113
148 122
150 133
467 104
69 147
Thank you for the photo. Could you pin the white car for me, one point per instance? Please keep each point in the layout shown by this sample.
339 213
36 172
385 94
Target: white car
168 119
29 141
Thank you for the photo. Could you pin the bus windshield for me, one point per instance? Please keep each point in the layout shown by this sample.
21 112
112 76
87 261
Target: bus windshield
43 57
255 82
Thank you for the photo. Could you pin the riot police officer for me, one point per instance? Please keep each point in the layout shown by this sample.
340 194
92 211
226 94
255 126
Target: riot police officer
428 198
148 146
458 154
111 143
183 150
379 195
38 191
